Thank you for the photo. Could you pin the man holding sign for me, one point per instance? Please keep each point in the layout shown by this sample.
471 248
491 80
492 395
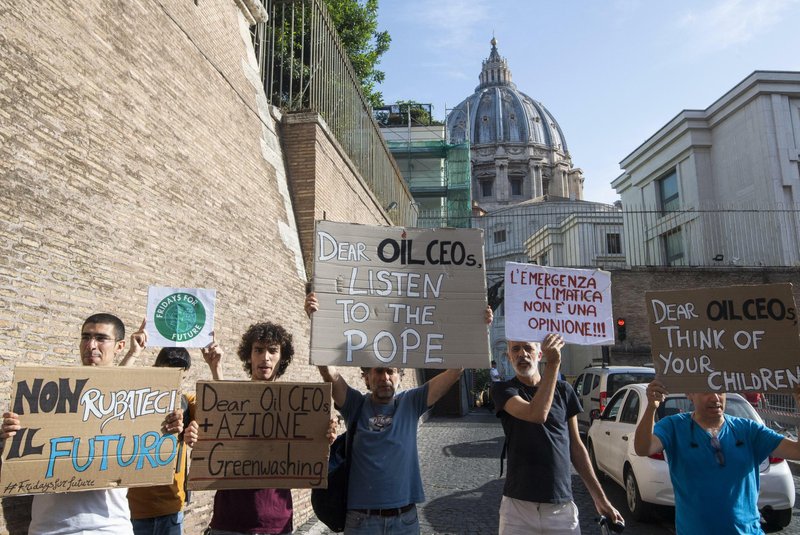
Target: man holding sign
539 420
265 351
95 511
713 461
385 483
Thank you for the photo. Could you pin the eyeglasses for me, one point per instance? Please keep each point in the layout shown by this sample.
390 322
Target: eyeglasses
718 455
99 338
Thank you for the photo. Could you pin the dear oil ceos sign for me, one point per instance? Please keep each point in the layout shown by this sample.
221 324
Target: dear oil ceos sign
399 297
256 435
89 428
735 338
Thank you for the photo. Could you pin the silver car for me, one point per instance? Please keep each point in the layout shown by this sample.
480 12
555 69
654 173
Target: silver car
646 479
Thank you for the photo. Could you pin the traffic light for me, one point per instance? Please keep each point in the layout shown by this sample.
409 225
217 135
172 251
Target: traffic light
621 334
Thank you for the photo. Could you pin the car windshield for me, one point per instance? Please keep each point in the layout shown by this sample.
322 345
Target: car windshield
618 380
734 406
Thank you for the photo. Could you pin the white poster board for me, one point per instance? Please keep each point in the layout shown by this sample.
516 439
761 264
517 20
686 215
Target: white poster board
575 303
399 297
180 317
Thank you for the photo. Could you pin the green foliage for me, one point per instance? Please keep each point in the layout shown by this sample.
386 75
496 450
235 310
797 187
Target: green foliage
482 379
420 114
356 22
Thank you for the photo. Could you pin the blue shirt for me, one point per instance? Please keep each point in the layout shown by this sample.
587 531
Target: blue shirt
385 465
710 498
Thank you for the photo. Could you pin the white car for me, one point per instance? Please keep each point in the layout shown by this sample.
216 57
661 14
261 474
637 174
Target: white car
646 479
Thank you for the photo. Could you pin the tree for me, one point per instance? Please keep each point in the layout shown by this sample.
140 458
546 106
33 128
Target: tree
356 22
397 114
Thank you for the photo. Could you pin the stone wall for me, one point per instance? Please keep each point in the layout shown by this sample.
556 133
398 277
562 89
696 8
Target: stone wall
137 148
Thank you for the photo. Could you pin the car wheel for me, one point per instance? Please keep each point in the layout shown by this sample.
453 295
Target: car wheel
776 519
639 509
593 460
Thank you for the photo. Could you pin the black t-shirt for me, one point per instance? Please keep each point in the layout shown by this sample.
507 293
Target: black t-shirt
538 454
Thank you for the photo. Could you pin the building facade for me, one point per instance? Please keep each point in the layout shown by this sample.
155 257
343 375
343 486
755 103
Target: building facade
518 150
719 186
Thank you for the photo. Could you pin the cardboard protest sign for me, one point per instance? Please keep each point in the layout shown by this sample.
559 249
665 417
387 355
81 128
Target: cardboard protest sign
90 428
734 338
575 303
180 317
399 297
256 435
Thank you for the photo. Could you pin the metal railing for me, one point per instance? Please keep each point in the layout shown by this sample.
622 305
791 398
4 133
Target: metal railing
780 413
305 68
583 234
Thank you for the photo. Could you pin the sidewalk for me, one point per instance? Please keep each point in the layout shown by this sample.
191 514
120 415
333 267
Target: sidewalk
460 465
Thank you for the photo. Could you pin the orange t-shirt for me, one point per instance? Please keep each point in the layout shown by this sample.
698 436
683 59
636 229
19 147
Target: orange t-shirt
160 500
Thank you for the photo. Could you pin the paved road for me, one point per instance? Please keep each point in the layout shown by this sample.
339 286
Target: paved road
460 467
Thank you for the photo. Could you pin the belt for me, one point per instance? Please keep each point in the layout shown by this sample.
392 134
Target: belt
386 512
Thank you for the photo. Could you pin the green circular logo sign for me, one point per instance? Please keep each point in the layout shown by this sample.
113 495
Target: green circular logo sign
180 317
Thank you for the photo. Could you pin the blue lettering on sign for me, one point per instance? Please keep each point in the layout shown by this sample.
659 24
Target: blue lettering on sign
146 448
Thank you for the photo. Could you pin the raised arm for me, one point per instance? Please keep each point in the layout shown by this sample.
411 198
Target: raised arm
644 441
439 385
138 343
580 460
331 375
788 448
212 354
537 409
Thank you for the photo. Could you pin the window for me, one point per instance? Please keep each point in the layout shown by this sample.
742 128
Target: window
630 412
579 384
544 260
486 188
516 187
500 236
668 192
613 243
673 247
613 407
587 383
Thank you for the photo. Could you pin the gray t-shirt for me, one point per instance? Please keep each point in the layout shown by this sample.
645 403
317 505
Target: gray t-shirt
384 473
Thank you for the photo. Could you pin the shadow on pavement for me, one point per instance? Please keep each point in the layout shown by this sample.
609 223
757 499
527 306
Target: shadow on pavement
479 449
469 511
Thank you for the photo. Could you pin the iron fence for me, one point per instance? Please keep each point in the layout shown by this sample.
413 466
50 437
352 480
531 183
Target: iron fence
305 68
584 234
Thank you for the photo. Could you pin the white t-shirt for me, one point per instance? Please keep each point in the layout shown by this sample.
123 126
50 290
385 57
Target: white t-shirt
81 513
494 373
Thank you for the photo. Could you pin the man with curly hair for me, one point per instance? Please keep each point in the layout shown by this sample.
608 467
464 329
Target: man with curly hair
265 350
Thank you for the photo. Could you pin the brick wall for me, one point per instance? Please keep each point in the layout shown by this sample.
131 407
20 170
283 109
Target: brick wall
325 185
628 289
137 148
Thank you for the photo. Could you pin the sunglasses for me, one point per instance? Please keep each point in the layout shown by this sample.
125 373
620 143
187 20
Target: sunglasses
718 455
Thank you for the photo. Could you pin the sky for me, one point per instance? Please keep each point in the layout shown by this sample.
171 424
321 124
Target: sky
612 72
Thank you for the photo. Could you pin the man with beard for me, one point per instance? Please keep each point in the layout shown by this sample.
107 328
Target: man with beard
385 484
713 461
538 413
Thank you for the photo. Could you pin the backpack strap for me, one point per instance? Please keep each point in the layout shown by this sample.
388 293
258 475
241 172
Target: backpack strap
351 431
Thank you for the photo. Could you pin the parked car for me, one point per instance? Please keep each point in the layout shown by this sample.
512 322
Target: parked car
595 386
646 479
